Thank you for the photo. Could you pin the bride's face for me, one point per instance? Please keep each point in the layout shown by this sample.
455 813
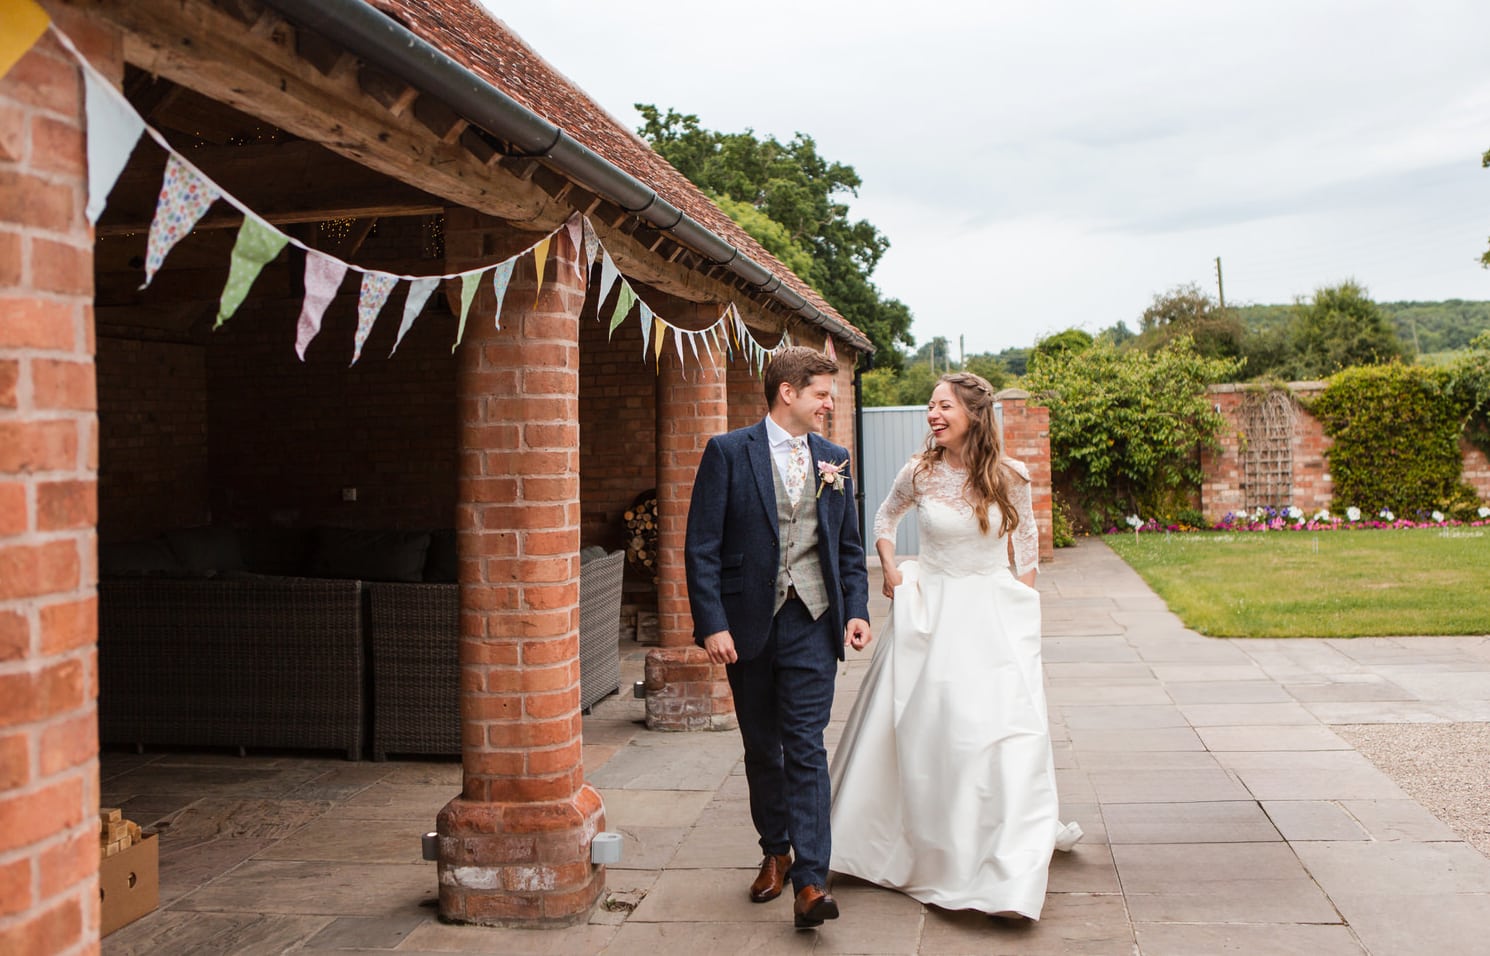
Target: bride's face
948 419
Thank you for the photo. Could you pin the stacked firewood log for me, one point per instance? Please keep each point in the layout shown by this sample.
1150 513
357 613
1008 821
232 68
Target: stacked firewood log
641 534
115 834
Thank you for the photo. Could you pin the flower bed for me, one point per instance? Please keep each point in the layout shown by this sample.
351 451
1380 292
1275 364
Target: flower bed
1293 518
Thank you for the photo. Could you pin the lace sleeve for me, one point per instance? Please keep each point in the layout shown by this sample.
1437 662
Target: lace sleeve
902 495
1026 537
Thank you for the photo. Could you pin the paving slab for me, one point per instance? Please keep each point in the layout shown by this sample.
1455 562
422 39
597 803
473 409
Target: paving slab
1247 939
1412 924
1393 867
1071 923
1173 786
1240 821
1219 882
671 762
1299 820
1391 820
1306 737
435 937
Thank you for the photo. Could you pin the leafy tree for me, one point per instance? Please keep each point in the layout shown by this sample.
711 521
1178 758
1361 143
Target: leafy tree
791 194
1118 333
912 385
1061 343
1485 164
989 366
1188 311
1016 360
1127 426
1339 329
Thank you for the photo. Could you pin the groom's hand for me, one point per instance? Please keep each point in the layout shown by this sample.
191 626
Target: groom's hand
857 635
721 648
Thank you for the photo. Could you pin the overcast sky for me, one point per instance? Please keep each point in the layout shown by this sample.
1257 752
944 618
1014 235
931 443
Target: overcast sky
1043 165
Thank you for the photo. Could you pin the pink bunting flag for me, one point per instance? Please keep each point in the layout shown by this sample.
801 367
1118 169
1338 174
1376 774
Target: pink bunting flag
184 198
375 289
576 229
829 350
323 276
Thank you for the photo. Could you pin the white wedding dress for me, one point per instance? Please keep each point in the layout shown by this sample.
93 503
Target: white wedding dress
944 779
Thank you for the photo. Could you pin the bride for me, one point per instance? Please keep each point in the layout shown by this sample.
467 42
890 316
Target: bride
944 780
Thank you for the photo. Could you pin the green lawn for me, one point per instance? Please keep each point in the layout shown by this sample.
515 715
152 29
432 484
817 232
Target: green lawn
1423 581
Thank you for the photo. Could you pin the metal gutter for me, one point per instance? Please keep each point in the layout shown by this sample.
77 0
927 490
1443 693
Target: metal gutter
385 42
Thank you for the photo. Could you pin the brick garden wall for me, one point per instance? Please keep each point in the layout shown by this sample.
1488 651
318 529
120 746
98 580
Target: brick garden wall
1223 488
48 505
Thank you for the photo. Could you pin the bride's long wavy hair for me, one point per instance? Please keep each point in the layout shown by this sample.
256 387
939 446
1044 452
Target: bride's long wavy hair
988 473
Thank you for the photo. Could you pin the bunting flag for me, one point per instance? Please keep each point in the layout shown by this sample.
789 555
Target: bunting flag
323 275
419 293
828 348
257 245
608 276
113 129
592 244
22 23
540 260
625 299
575 227
376 287
501 275
184 198
468 284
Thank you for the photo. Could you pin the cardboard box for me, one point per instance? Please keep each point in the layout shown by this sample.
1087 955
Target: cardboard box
129 884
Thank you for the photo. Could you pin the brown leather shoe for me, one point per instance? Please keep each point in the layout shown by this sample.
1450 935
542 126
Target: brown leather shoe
771 879
813 906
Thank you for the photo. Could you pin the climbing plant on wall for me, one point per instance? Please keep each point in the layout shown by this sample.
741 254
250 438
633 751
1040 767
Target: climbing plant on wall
1396 431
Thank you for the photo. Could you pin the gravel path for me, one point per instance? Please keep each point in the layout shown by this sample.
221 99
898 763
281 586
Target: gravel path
1445 767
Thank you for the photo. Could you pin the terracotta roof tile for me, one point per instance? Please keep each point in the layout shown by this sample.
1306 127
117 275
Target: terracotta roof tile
469 34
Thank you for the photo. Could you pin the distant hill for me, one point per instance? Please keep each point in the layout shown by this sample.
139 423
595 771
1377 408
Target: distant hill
1424 327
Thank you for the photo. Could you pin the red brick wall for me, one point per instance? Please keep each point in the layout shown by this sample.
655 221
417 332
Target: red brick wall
1027 438
747 400
48 506
286 437
152 463
1222 489
618 428
1476 469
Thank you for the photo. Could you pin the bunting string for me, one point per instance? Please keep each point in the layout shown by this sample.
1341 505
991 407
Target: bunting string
186 194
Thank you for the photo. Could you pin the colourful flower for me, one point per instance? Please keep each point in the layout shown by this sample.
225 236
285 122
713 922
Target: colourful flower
830 475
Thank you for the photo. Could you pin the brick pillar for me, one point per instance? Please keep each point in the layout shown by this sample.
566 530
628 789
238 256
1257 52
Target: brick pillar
684 690
48 504
1027 438
515 845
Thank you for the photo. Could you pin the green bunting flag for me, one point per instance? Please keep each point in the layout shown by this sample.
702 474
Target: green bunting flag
258 243
625 299
468 284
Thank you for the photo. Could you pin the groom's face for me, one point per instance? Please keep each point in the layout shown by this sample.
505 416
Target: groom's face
807 410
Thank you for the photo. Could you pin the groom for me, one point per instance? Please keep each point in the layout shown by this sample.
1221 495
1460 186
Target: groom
777 584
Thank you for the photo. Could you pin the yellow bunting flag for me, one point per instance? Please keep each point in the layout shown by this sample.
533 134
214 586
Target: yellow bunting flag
540 259
658 331
22 23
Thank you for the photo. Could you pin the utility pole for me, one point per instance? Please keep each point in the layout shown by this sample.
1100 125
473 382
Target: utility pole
962 353
1220 289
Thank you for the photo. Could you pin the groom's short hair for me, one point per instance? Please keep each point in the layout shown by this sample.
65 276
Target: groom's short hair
796 366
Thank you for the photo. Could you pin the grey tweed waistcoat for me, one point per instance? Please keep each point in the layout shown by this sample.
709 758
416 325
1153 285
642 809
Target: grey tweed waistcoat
799 565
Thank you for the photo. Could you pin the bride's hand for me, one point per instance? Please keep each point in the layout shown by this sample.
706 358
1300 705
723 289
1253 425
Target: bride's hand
892 580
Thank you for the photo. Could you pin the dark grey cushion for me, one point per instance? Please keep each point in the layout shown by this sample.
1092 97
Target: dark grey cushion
282 551
369 555
442 565
206 549
132 558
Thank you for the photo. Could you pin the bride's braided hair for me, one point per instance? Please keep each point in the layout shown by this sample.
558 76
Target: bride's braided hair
982 452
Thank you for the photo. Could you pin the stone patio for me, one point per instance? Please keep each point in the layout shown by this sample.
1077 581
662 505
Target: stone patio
1223 814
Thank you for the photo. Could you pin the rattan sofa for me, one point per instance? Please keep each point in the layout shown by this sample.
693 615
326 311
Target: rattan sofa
414 633
265 662
195 650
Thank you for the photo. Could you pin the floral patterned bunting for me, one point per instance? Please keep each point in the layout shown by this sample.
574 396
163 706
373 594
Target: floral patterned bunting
375 289
323 275
184 199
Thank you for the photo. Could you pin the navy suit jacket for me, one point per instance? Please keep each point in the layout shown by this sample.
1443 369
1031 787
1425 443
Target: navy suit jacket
733 547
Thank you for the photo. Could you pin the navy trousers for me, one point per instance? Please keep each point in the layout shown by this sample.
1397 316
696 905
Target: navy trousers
783 698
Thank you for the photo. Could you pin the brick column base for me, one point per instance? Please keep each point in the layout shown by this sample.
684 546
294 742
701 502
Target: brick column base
520 864
686 691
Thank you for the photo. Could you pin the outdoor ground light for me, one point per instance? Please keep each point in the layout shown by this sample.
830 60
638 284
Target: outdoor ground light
606 847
